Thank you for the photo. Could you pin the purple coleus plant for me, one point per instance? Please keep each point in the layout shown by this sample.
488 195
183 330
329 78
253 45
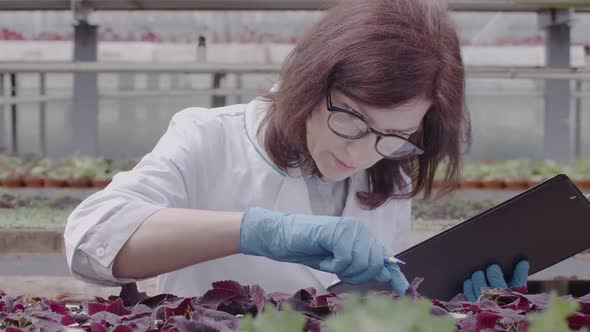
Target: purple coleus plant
218 309
221 308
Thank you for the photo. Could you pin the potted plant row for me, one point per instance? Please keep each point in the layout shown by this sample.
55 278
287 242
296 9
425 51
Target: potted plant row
517 174
75 172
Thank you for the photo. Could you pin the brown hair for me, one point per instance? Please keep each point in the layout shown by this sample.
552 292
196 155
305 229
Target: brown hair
381 53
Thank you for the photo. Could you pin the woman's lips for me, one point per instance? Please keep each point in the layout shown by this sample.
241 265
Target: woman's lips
342 164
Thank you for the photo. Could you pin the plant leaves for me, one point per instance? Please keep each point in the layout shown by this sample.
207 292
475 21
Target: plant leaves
380 313
271 320
554 317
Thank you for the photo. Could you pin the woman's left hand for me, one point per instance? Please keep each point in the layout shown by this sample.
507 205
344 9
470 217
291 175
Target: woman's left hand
494 277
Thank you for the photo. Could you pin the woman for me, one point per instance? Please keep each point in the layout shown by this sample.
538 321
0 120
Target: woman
305 185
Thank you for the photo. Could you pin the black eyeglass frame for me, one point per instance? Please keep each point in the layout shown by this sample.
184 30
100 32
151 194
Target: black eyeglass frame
334 109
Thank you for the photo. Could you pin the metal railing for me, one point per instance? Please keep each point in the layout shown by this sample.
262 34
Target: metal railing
457 5
11 100
13 69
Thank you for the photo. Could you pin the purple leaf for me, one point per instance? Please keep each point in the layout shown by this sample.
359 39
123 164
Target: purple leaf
107 317
81 319
454 305
47 316
214 297
229 320
277 297
305 295
521 305
509 316
237 307
13 329
96 327
300 306
92 307
181 324
184 308
232 286
257 294
320 301
321 304
68 320
101 300
57 307
7 304
412 291
578 321
468 323
538 301
486 320
438 311
139 311
123 328
521 290
140 323
118 308
158 300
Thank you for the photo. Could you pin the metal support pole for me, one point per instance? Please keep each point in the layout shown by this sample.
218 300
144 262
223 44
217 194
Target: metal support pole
155 107
239 85
578 121
127 111
85 106
558 131
13 115
218 101
42 115
3 147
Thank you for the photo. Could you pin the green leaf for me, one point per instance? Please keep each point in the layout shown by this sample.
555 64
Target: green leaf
381 313
271 320
554 318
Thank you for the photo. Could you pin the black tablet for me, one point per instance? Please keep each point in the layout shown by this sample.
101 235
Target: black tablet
545 224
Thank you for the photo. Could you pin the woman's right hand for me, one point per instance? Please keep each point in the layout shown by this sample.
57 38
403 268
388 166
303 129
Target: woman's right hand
339 245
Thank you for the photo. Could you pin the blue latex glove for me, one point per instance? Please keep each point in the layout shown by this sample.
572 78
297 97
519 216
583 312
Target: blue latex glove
399 283
495 278
339 245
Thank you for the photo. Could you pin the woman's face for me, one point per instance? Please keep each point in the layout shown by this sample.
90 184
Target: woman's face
338 158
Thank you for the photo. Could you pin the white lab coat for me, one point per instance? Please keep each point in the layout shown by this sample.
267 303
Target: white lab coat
211 159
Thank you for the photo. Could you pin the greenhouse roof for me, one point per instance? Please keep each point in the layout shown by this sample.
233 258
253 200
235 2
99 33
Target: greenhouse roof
457 5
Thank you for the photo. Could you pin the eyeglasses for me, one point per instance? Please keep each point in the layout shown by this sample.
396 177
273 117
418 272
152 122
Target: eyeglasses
351 125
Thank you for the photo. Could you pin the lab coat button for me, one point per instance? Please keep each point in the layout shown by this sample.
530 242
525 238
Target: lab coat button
100 252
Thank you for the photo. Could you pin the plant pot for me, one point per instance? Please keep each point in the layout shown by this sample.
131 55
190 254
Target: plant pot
493 184
54 183
532 183
78 183
13 182
34 182
470 184
583 183
515 184
100 183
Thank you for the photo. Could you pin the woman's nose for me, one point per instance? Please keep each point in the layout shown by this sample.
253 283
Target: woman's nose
362 149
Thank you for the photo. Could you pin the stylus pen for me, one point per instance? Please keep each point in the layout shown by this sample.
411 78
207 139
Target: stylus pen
393 260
